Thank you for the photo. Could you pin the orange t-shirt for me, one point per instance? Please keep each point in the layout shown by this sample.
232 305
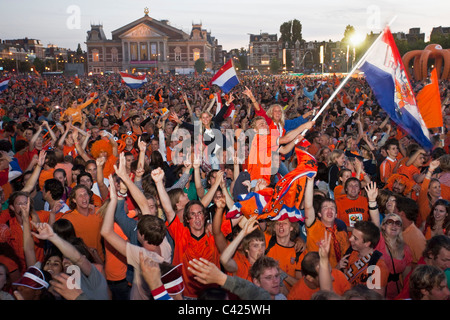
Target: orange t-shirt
316 232
45 175
286 258
300 291
339 191
387 168
115 263
409 171
351 211
16 240
189 247
357 270
70 151
243 266
87 228
260 157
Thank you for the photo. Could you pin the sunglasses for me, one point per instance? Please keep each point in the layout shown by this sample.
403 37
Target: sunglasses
398 223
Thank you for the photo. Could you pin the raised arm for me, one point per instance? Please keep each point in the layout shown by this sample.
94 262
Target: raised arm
372 193
310 215
219 238
226 257
135 192
158 176
34 138
250 95
32 181
50 132
60 143
107 229
28 243
104 192
208 197
197 178
45 232
325 278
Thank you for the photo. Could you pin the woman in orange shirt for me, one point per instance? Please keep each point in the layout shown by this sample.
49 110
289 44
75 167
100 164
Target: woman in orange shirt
438 221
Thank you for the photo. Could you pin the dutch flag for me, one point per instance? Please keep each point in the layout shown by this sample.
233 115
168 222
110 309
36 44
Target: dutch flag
226 78
386 75
4 84
134 82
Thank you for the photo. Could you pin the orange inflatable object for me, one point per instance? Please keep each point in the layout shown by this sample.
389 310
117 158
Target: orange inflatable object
421 58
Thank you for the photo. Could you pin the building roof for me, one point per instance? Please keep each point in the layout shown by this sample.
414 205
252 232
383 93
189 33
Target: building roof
162 27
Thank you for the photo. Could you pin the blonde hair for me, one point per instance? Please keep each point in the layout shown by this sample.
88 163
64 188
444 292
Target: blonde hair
396 248
336 153
270 113
255 119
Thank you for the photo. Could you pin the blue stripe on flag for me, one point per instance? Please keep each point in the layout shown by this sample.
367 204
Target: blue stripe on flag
383 87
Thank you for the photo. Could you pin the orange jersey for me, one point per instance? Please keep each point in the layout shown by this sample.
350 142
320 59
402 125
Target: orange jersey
16 239
286 257
300 291
187 248
387 168
357 271
351 211
316 232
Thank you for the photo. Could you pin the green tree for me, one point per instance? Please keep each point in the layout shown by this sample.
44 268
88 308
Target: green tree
296 31
274 65
79 50
243 60
291 31
199 65
286 32
443 40
39 65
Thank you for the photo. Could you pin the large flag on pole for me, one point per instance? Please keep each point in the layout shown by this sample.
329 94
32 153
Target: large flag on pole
134 82
429 103
226 78
385 73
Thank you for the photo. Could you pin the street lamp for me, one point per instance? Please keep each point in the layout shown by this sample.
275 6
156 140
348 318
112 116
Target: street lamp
356 40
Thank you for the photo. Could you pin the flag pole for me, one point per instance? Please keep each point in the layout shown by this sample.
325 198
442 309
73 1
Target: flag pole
341 85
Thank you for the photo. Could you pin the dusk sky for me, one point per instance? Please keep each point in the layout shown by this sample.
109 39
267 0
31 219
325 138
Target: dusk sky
65 23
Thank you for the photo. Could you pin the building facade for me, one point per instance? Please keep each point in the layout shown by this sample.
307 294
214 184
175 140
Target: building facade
263 48
149 45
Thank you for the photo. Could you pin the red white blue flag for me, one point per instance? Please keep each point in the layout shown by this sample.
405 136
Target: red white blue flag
4 84
290 87
283 201
134 82
226 78
385 73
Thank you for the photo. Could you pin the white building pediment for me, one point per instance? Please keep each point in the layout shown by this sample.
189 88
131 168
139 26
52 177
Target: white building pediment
142 31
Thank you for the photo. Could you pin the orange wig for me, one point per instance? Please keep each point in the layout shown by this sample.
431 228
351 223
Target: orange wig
99 146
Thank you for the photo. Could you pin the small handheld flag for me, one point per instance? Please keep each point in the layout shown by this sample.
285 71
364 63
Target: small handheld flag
226 78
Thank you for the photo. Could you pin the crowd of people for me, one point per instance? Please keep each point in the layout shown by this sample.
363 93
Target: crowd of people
112 193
